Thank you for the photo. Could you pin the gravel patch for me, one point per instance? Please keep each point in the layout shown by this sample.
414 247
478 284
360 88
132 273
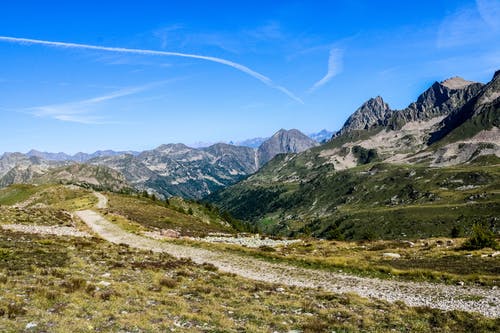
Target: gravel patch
46 230
252 241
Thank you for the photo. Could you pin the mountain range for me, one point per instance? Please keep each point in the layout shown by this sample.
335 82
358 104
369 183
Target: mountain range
384 171
168 170
421 170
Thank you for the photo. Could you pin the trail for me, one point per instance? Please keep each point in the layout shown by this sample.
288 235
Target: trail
440 296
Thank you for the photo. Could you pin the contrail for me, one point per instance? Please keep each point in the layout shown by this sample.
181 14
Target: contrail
229 63
334 67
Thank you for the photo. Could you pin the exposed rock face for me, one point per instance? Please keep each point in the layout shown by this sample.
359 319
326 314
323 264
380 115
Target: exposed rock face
283 141
439 100
482 111
100 177
21 161
176 169
374 112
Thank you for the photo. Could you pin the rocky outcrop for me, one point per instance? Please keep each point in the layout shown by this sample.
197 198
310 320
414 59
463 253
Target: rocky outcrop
439 100
374 112
480 112
284 142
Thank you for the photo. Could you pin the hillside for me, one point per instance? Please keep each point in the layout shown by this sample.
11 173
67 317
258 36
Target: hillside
417 172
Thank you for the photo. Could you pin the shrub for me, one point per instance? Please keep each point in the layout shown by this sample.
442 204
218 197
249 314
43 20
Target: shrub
480 238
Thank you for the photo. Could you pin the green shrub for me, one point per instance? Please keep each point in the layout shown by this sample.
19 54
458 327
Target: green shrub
480 238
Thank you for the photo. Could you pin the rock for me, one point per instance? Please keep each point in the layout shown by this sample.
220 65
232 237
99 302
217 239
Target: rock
280 290
170 233
31 325
391 255
374 112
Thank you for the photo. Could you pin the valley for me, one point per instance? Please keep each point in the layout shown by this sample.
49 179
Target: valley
391 223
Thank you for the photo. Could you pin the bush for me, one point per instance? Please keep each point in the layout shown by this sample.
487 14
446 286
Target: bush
481 237
456 231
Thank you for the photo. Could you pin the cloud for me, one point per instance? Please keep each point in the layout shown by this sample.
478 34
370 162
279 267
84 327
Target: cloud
82 111
334 68
471 25
264 79
490 12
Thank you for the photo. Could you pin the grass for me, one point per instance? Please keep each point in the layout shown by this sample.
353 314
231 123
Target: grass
428 260
80 285
189 218
374 201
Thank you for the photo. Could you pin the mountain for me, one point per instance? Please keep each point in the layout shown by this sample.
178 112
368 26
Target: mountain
78 157
168 170
282 142
322 136
97 177
252 143
418 171
22 161
374 112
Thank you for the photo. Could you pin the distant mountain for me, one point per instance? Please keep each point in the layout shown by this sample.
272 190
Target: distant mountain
282 142
385 172
78 157
98 177
168 170
322 136
179 170
252 143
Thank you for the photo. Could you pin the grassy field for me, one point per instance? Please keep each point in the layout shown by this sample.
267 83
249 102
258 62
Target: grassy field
186 217
87 285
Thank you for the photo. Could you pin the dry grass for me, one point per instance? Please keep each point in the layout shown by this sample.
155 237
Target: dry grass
435 260
82 285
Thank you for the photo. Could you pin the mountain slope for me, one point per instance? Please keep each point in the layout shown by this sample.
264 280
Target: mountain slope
330 192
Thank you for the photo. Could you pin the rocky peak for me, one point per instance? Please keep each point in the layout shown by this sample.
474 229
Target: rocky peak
456 82
373 112
283 141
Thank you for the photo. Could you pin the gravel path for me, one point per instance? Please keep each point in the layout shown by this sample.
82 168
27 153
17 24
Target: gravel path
102 201
445 297
47 230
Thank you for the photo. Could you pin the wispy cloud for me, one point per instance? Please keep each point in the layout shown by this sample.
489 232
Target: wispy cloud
334 68
83 111
471 25
264 79
490 12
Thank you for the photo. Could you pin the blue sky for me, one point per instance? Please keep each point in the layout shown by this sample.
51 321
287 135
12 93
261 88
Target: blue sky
239 69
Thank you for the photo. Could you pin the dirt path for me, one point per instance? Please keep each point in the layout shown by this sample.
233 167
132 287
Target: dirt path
102 201
466 298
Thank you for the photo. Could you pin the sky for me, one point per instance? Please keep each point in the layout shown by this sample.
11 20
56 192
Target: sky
131 75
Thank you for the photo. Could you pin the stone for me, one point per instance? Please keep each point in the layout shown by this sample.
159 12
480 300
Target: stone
391 255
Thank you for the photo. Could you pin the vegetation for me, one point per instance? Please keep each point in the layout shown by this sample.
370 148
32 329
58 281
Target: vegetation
186 217
433 260
64 284
481 238
374 201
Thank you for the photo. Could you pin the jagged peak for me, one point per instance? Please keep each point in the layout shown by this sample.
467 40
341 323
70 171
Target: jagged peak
496 75
456 82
